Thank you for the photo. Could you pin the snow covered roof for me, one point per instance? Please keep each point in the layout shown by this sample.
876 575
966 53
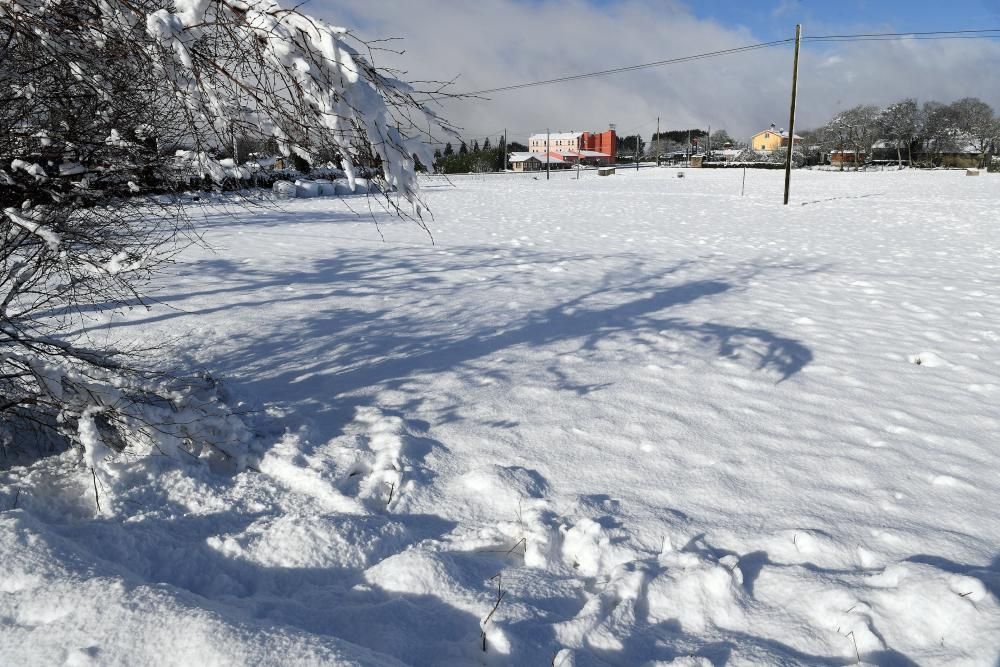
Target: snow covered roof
783 133
524 157
556 136
593 154
955 144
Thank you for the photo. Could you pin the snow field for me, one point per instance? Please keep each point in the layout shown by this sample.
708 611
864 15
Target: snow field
682 426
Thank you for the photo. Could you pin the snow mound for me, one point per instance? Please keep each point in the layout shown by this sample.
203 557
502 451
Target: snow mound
285 189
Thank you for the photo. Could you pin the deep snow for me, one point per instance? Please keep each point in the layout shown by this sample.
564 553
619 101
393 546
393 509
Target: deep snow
679 424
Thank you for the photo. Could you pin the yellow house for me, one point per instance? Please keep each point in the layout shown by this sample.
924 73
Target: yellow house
770 139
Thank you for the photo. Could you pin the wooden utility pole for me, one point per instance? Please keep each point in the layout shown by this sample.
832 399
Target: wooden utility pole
548 171
656 144
791 113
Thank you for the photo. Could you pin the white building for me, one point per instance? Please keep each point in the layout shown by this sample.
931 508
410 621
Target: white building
597 148
560 142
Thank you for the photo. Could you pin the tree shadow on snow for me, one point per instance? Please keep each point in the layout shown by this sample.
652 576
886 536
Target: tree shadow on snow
318 356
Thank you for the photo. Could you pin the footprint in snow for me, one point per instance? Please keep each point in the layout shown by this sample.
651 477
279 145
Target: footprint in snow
388 460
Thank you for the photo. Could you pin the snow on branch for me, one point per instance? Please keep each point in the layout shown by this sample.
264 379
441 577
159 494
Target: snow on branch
24 219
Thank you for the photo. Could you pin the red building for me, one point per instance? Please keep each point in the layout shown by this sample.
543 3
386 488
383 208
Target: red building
604 142
596 148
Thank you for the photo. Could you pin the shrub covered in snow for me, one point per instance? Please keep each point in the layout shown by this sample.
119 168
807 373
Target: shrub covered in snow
103 102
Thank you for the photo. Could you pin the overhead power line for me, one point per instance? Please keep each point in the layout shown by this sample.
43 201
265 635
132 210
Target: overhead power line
939 34
630 68
991 33
896 39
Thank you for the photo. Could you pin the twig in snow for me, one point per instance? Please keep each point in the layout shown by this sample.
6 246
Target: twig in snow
500 596
392 489
499 577
853 639
523 540
97 498
489 616
17 494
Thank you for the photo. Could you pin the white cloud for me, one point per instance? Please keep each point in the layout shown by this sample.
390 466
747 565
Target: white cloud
784 7
491 43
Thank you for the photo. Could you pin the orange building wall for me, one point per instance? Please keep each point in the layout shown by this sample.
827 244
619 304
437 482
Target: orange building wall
603 142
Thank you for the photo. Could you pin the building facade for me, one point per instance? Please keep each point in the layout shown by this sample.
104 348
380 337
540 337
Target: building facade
770 139
585 147
538 161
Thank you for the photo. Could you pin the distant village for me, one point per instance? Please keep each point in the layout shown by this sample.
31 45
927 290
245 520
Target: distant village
963 134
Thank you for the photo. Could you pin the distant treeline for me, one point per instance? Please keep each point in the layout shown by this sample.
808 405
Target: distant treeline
927 132
490 156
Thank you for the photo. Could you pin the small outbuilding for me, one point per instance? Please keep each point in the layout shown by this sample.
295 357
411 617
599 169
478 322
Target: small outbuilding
847 158
537 161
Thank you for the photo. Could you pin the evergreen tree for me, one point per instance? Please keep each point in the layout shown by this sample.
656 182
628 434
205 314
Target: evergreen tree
501 154
448 150
486 144
475 146
463 149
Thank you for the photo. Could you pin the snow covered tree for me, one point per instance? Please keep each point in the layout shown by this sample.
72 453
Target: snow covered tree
107 109
857 128
719 139
975 120
836 135
899 124
939 129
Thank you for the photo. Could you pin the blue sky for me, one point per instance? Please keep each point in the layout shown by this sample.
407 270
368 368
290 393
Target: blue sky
775 19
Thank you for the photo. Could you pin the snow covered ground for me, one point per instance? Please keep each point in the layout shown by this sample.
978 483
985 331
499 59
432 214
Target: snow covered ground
663 423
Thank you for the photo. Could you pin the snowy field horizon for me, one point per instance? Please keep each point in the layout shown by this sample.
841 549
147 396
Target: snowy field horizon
631 420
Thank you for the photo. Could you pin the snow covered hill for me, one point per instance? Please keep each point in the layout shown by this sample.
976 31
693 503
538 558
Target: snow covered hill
608 421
